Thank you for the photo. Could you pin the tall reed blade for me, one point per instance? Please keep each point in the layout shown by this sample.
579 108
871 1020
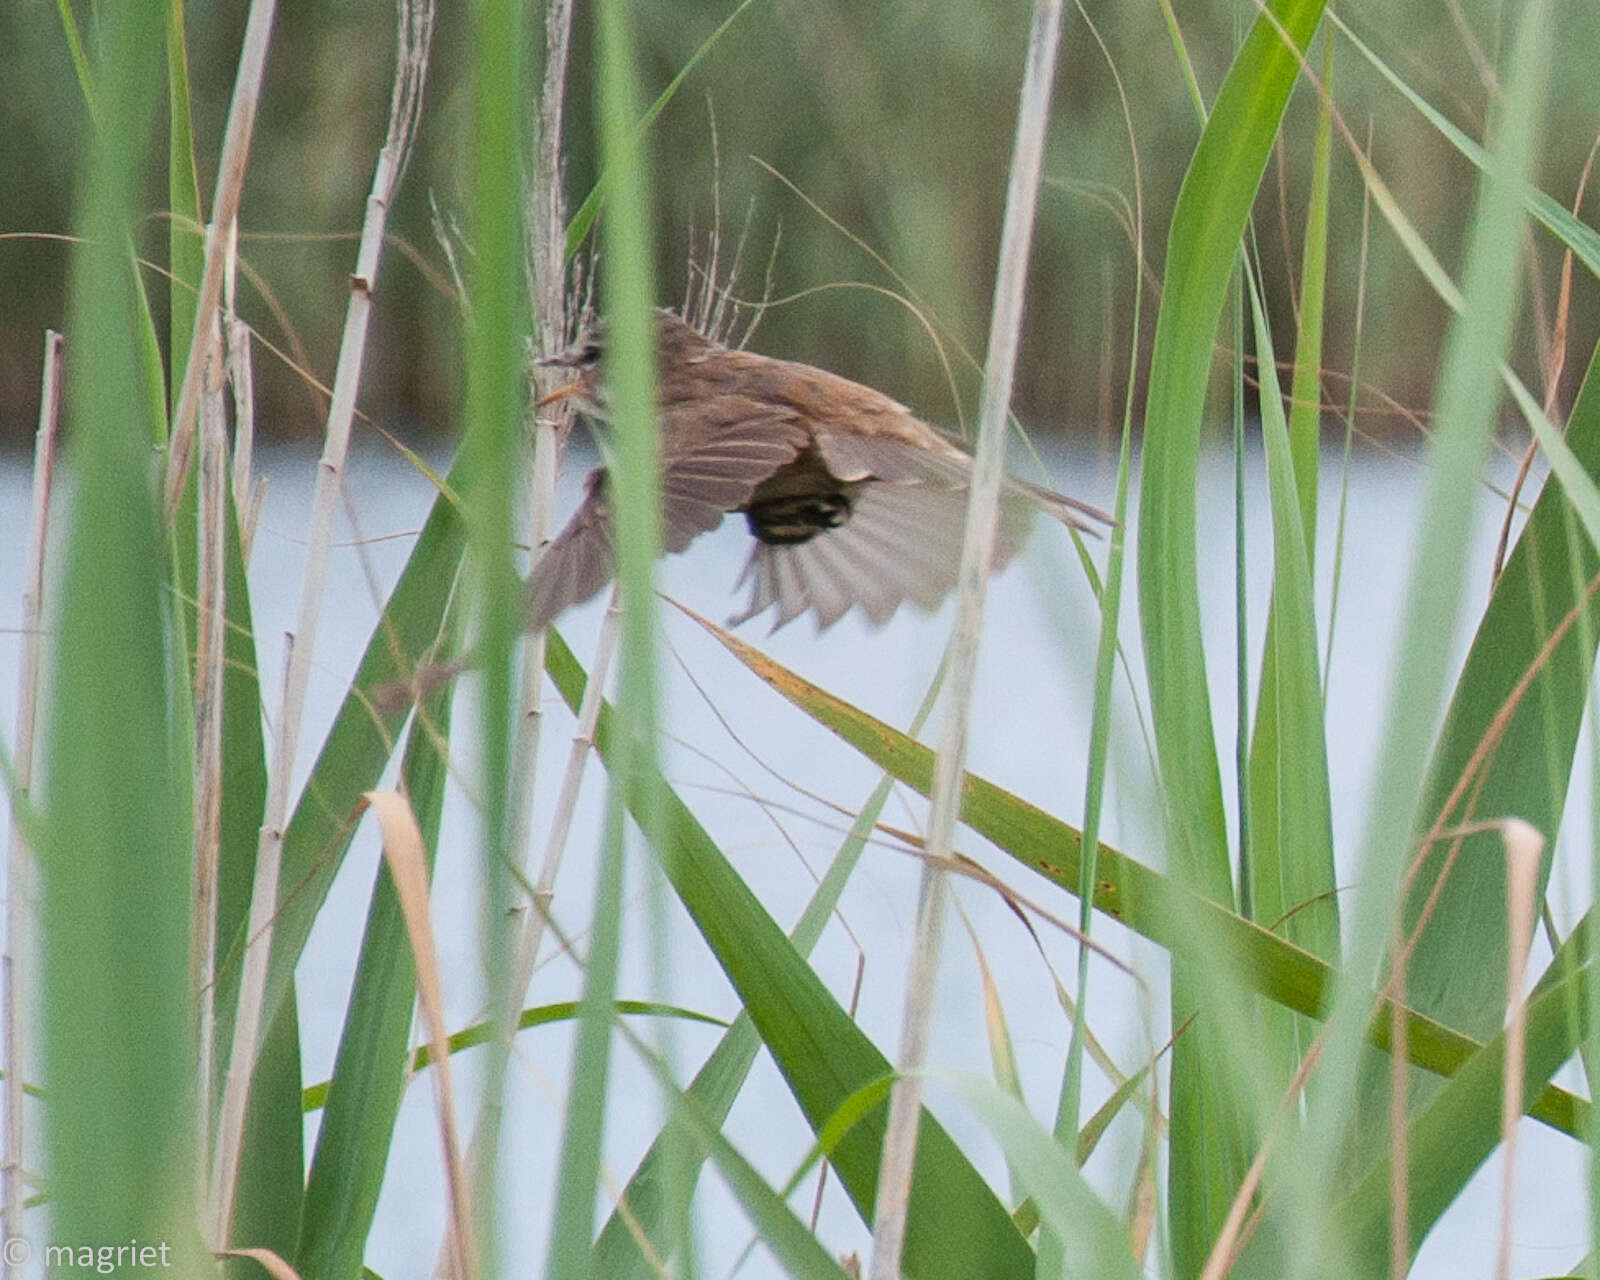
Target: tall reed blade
115 852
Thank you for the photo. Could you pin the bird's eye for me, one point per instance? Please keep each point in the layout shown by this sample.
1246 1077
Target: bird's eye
590 354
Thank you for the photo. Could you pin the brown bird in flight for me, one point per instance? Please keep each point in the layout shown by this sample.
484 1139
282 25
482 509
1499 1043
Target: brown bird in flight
851 500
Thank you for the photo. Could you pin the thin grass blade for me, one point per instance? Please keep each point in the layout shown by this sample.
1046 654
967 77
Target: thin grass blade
1210 1145
115 857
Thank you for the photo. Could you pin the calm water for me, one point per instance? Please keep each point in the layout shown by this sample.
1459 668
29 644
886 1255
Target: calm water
750 766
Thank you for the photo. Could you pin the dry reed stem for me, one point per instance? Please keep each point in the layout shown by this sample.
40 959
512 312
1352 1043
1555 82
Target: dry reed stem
406 858
230 185
209 654
905 1099
1524 848
19 857
546 221
567 800
546 205
415 31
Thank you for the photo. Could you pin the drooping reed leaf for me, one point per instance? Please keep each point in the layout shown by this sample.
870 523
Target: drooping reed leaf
957 1227
1576 235
1146 901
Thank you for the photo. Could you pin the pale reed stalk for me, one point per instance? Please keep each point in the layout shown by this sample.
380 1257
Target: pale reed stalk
19 857
1005 323
414 40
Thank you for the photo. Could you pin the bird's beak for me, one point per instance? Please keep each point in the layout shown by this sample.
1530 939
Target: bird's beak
561 393
561 359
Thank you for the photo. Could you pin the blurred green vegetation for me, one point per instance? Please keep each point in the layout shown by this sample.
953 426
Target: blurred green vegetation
894 119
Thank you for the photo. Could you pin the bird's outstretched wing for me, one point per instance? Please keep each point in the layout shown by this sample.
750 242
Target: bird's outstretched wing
901 542
708 468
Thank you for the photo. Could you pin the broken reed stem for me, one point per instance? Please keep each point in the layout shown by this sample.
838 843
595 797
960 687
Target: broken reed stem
977 551
414 38
230 184
1524 848
546 204
19 857
248 490
406 859
210 650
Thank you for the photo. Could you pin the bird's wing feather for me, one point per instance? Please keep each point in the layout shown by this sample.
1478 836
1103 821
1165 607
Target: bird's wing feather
896 464
902 542
706 472
577 563
714 467
887 458
893 460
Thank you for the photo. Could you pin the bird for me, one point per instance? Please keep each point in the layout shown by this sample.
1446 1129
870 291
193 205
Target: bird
851 501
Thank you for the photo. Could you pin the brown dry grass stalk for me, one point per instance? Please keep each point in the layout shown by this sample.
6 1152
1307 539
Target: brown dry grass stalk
406 859
210 652
230 186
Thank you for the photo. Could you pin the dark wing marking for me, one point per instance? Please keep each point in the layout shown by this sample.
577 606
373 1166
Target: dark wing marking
902 542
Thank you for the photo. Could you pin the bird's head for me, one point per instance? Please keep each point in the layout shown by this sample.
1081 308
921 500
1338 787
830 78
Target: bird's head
581 361
677 344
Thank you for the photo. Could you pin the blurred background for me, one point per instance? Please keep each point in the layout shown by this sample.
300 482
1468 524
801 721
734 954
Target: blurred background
891 126
894 120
